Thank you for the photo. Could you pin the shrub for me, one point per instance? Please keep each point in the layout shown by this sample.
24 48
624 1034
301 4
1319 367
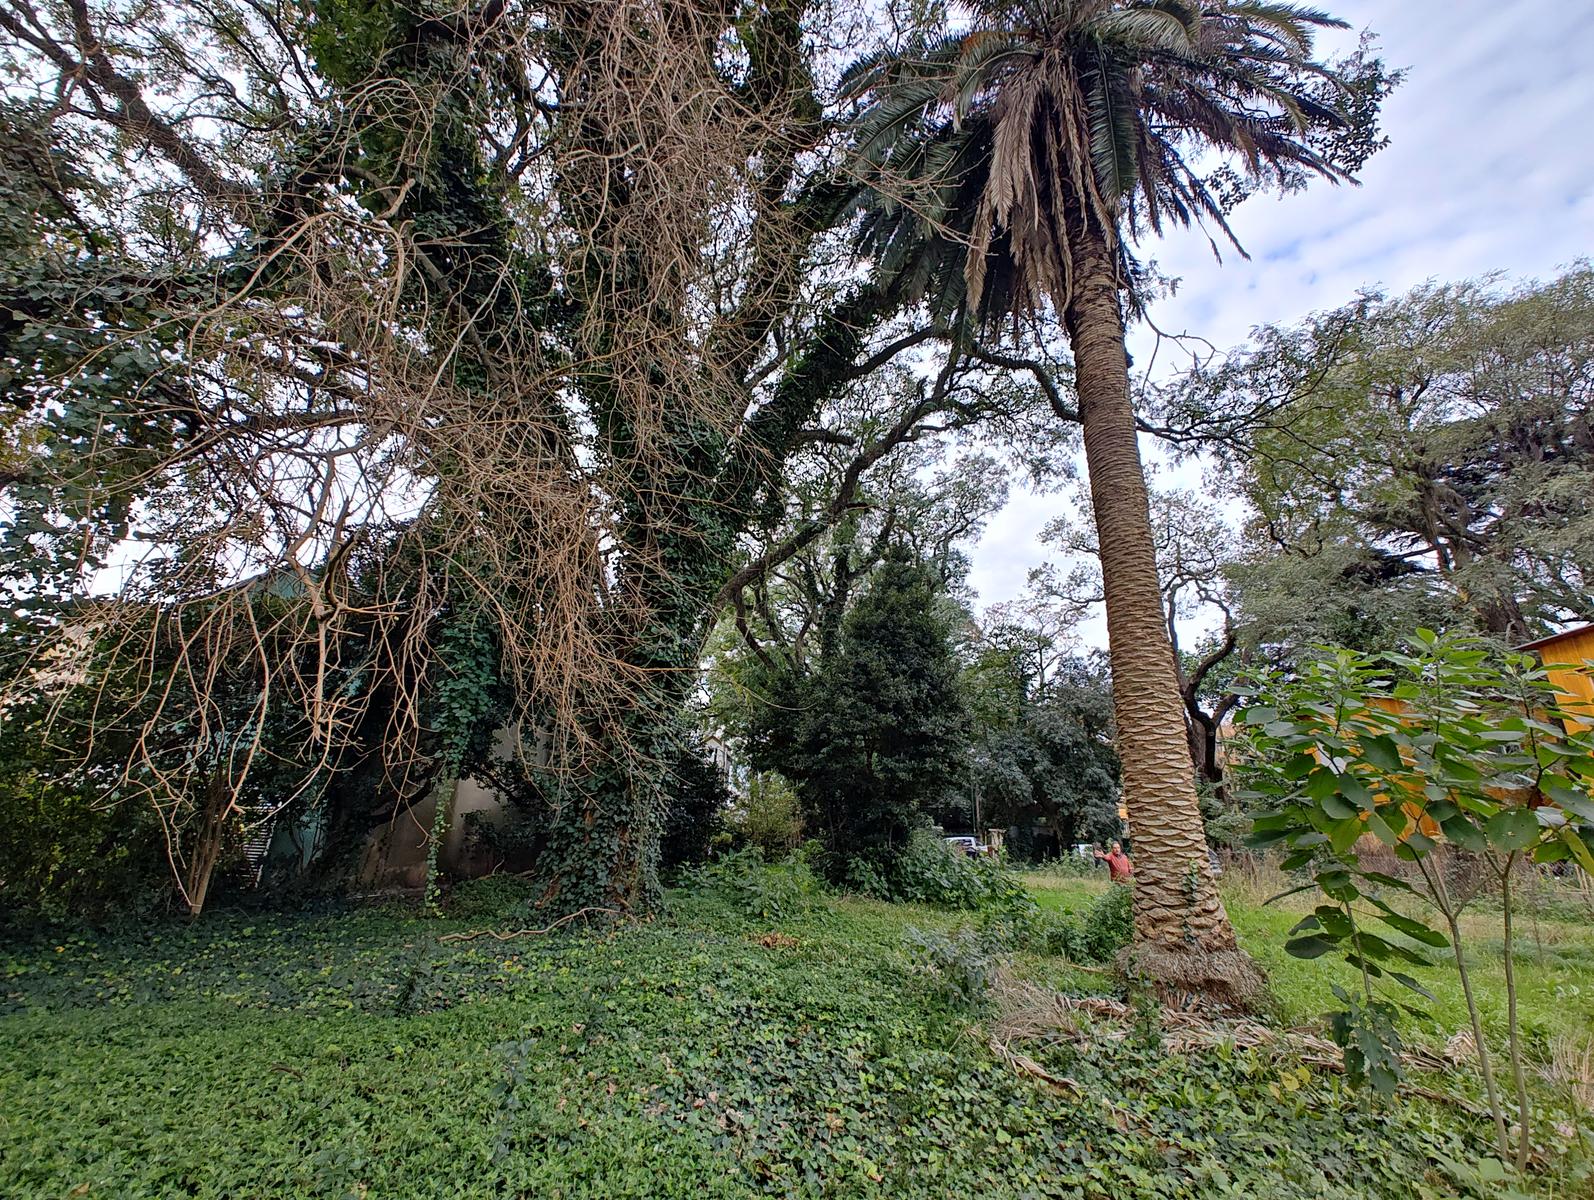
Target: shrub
1096 935
928 871
957 968
768 891
64 854
770 816
1108 927
1450 741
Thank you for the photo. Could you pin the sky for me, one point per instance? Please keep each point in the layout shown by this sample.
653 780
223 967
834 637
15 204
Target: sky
1490 167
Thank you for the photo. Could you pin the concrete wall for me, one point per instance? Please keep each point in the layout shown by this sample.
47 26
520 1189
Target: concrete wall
396 856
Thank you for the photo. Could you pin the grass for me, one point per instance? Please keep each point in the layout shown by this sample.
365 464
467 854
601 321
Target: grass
1554 963
699 1055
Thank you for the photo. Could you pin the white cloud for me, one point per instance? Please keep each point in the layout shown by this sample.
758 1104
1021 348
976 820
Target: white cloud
1488 169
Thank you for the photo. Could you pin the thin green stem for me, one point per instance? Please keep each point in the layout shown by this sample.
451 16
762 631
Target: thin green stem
1513 1032
1441 898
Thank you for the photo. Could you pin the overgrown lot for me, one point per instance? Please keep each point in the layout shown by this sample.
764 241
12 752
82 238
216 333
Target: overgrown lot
711 1053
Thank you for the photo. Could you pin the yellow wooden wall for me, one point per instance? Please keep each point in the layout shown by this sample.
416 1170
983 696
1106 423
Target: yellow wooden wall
1566 658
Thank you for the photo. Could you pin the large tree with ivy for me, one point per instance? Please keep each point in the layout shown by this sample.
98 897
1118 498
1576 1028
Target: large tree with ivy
501 319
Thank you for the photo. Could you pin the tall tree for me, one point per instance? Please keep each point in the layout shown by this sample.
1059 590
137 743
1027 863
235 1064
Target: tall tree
1043 737
514 310
1441 441
1028 149
1194 546
876 728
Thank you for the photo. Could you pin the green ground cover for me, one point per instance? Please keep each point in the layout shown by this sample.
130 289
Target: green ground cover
710 1053
1554 963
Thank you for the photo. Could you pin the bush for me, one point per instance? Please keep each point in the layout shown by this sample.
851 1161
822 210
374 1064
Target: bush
768 891
928 871
1096 935
958 968
1108 927
770 816
63 854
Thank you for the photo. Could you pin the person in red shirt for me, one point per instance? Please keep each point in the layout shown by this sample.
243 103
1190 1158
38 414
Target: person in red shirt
1119 868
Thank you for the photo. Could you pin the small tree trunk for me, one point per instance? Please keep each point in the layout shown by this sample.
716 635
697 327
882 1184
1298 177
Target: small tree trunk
1184 943
1512 1024
206 851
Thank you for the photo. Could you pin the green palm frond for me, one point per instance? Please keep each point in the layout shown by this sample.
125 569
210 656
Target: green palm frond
1114 130
883 68
989 150
977 67
891 118
1290 24
1146 29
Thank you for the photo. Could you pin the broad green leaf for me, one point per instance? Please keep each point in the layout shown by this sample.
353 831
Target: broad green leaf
1313 946
1461 830
1333 921
1379 829
1410 927
1382 753
1387 880
1343 836
1356 792
1513 829
1339 809
1569 799
1407 981
1579 848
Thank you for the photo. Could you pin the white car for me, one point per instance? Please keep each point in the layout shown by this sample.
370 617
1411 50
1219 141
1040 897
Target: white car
973 847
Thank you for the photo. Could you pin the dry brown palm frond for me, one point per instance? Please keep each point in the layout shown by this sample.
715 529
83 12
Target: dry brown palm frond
1571 1066
1031 1014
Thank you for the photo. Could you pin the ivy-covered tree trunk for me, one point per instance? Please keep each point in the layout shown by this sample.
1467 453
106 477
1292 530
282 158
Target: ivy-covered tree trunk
607 799
1183 940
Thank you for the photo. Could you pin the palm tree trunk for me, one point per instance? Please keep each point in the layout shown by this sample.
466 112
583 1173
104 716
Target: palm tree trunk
1184 943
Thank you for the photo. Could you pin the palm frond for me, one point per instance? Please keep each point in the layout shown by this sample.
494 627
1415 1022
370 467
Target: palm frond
976 71
1114 129
1291 25
986 150
1140 30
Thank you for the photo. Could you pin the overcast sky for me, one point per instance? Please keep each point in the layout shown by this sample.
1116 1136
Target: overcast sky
1490 167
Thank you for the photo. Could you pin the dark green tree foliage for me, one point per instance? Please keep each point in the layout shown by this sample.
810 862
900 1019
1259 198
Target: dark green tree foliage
878 729
1043 747
67 848
696 799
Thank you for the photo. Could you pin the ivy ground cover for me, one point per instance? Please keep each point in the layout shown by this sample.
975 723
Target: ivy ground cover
706 1054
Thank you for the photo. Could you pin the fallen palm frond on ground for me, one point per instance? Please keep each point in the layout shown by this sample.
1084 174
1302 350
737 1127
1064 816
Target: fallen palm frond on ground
1571 1065
1030 1015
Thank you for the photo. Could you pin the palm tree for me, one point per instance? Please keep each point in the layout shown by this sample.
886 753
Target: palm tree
1008 168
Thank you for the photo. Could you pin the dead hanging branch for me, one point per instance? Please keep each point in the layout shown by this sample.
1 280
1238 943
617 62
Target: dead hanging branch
338 409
